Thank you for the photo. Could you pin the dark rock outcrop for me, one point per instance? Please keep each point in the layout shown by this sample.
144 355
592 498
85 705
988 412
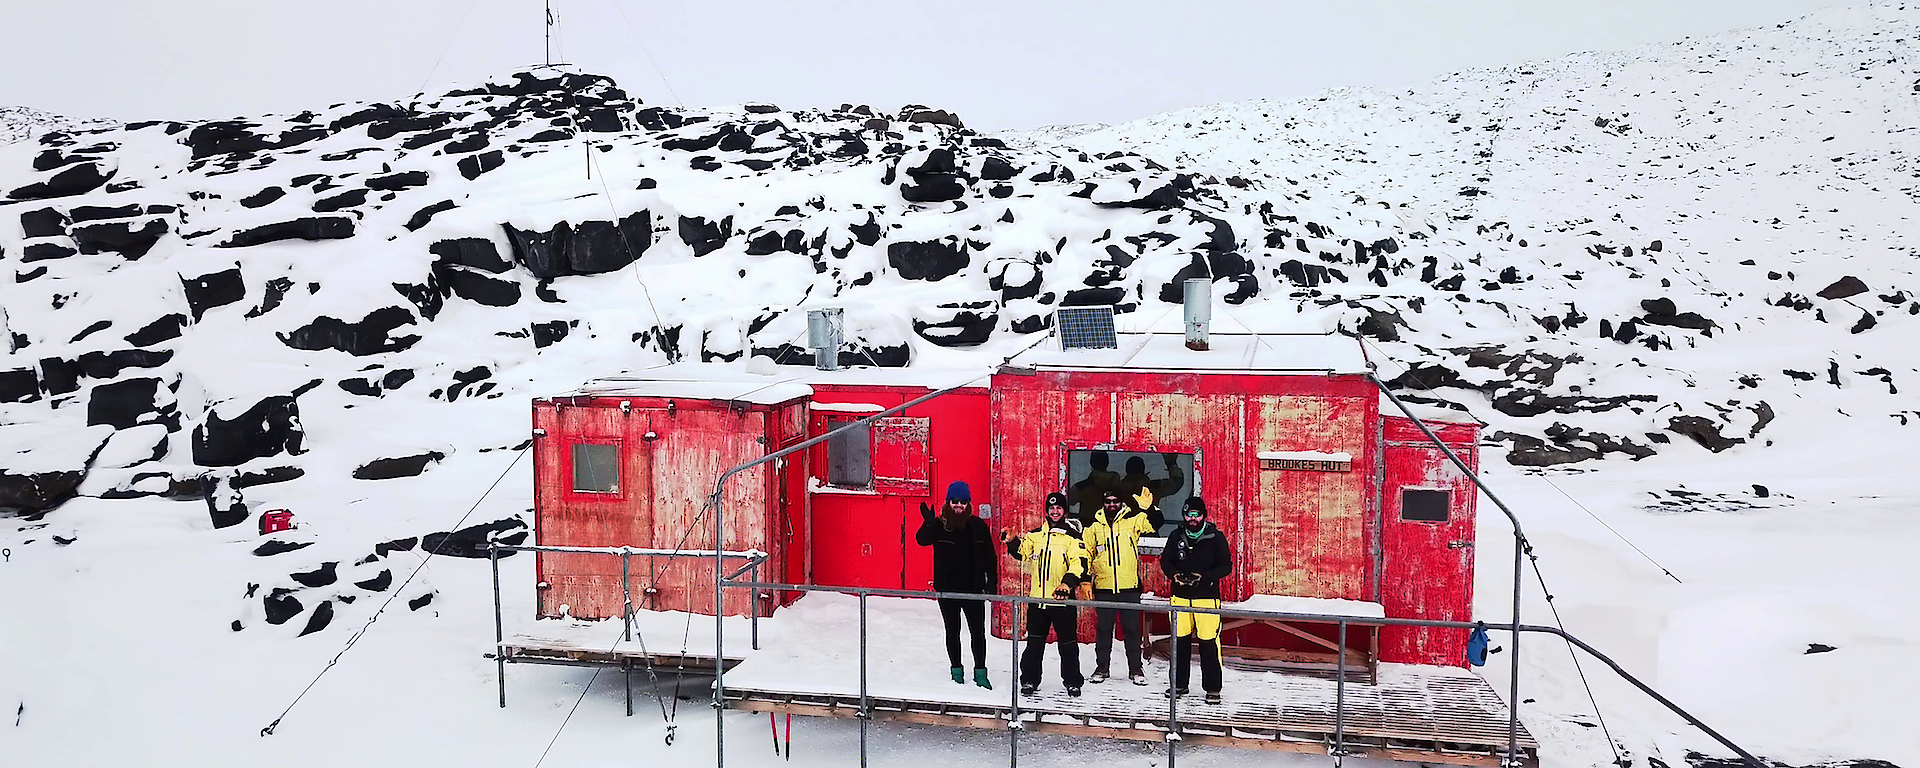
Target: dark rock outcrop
399 466
1703 431
122 404
371 335
213 290
309 228
472 540
931 260
1843 288
270 427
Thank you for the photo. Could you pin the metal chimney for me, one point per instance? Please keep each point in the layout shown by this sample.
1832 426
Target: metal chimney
824 335
1198 306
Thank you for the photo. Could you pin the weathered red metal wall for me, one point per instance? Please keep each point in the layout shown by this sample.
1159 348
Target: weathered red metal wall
864 538
1428 563
1294 532
670 458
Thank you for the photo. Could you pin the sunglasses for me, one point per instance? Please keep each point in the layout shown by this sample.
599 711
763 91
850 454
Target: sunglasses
1195 513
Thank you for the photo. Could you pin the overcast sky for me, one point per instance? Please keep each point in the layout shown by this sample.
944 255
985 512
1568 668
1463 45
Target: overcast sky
997 63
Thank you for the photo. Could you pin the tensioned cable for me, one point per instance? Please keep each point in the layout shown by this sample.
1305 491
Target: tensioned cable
1603 523
648 53
646 657
449 45
1539 576
1549 481
268 731
633 263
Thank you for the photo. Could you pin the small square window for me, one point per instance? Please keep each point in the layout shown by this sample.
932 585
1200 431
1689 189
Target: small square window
596 468
849 456
1424 505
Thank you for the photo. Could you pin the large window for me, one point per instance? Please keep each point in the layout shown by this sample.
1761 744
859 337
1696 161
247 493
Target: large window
849 455
1425 505
1168 476
596 468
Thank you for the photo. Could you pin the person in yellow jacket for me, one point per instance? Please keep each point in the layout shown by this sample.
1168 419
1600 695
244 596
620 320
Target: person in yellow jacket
1113 551
1056 564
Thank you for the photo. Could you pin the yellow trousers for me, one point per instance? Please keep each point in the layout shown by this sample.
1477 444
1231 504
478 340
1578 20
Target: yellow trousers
1206 626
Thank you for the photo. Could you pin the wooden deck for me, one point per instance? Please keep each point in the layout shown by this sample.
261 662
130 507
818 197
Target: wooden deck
519 651
1447 716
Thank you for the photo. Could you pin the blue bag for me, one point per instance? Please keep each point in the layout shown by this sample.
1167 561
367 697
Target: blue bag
1477 645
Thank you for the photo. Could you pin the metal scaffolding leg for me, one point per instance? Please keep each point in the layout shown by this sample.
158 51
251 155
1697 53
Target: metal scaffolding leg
1513 696
1013 691
1340 700
863 714
499 628
1173 690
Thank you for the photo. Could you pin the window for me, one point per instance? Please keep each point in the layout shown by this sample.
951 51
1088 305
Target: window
1425 505
1091 473
899 454
596 468
849 456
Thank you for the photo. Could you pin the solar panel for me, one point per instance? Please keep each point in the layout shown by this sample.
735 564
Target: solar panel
1086 327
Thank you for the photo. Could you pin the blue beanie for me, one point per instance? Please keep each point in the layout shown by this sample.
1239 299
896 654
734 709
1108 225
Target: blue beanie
958 491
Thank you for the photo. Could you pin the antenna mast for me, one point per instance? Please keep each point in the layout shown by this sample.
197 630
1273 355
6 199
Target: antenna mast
549 48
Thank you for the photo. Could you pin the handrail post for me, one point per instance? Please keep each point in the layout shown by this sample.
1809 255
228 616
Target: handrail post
1013 691
1173 688
1340 700
626 600
499 627
1513 685
754 610
863 714
719 633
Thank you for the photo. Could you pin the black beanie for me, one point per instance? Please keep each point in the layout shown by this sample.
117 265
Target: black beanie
1194 503
1057 499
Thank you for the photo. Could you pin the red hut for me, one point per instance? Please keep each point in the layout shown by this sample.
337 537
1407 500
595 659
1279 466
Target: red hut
631 461
1332 506
1284 437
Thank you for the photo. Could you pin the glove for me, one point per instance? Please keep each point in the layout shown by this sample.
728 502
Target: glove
1143 500
1186 579
926 511
1006 537
1063 592
1084 591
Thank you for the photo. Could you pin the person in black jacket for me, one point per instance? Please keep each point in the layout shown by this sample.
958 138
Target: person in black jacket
1196 558
964 560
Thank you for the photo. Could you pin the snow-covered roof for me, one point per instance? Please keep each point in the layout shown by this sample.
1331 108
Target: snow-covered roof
743 383
1237 353
1427 413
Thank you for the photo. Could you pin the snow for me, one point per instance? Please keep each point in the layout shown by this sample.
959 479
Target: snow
844 407
1290 353
33 448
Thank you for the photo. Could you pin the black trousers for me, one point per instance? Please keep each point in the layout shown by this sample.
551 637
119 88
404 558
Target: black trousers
1104 619
1062 619
1209 663
976 612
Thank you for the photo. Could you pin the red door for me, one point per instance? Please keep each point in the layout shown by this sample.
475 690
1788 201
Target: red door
1427 538
858 544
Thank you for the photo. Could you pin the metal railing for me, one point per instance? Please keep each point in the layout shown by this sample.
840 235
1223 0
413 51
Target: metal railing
754 560
1338 749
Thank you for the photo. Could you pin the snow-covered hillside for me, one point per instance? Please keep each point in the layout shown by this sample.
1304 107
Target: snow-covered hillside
1672 280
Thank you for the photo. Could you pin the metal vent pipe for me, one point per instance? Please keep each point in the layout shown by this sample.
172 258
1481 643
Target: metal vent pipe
1198 304
824 336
